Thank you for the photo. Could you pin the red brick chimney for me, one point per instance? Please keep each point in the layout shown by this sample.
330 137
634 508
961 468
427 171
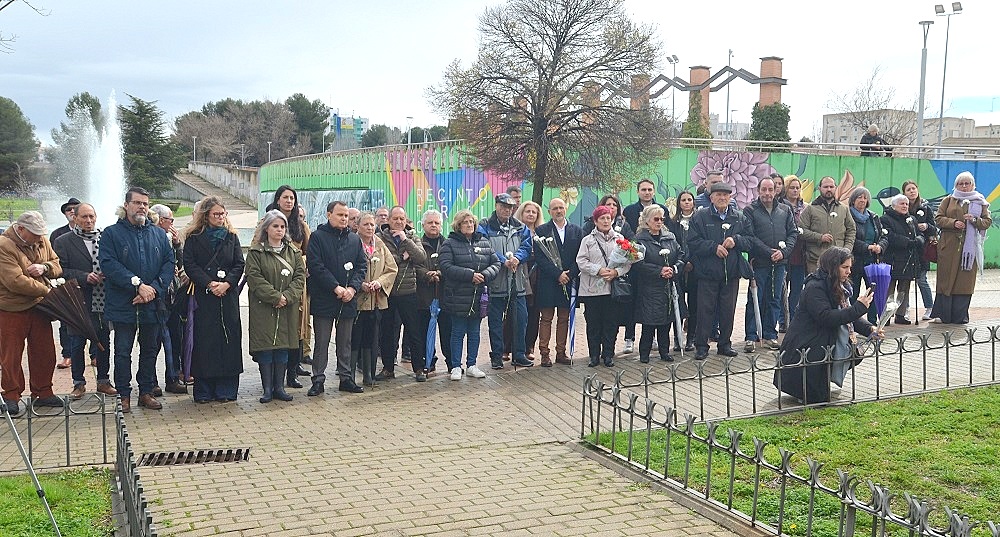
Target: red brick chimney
699 74
770 92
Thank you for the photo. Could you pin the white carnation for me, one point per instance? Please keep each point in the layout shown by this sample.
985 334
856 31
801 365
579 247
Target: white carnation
136 281
285 272
833 214
348 266
221 274
920 212
781 244
434 255
374 259
726 226
665 251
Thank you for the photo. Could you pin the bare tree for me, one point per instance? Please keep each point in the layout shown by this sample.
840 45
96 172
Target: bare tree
873 102
7 41
548 98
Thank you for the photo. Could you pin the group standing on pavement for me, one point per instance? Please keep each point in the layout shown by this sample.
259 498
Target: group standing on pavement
364 280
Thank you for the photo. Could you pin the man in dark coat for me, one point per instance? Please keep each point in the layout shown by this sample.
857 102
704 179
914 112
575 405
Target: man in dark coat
138 266
77 252
430 286
718 236
873 145
337 266
402 314
68 210
774 238
555 283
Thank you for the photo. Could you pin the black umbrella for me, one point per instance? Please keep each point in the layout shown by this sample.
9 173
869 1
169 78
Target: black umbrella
64 302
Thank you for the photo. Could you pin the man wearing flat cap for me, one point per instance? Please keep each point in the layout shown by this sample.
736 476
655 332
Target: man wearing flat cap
69 211
511 242
718 235
26 261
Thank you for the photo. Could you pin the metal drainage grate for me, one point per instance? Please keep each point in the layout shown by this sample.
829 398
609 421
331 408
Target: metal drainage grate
201 456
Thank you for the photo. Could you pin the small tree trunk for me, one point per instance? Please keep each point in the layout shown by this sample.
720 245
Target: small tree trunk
541 164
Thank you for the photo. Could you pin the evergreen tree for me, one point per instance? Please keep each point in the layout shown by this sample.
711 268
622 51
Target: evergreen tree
770 123
18 146
150 158
312 119
695 126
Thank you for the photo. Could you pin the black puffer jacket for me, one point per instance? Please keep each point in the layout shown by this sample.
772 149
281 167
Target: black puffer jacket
923 213
654 304
459 259
906 245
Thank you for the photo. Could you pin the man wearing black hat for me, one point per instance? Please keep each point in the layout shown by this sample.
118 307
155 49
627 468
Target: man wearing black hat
69 211
511 241
718 235
65 340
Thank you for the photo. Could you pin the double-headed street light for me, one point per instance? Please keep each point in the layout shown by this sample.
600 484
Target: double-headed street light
956 9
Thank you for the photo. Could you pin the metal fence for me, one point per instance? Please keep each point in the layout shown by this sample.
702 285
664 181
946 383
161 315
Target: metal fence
139 521
622 419
78 434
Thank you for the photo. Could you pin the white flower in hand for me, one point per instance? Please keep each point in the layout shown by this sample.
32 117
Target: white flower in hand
375 259
781 244
62 281
510 255
618 229
221 274
800 230
136 282
285 272
885 231
726 226
685 224
665 251
434 255
909 219
833 214
920 212
348 266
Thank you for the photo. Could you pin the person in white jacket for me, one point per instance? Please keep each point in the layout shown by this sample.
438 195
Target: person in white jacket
596 277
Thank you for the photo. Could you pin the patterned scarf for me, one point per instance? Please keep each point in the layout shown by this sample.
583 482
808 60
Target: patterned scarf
972 248
92 239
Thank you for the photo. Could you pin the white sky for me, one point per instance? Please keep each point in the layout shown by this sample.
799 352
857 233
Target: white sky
374 59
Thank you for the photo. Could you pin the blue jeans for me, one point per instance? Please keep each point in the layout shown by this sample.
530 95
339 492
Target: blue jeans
770 281
925 290
149 346
276 356
518 308
796 276
463 327
76 352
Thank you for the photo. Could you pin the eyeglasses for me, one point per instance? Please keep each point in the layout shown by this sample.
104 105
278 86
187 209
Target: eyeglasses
217 215
166 219
657 219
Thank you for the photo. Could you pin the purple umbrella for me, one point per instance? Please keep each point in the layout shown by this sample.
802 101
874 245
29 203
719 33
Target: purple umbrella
879 275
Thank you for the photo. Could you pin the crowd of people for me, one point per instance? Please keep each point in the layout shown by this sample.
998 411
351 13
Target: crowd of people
372 286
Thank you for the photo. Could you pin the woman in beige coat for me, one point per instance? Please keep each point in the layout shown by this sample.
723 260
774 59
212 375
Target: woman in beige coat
963 218
373 298
601 311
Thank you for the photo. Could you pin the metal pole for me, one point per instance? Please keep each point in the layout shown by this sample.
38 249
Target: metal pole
27 464
194 148
269 151
944 75
243 154
923 82
729 63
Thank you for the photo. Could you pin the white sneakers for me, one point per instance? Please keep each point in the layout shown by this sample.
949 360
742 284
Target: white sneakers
927 315
629 346
456 373
472 371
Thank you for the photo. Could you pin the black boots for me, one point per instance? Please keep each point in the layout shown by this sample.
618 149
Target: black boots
348 385
316 389
278 391
271 378
292 381
267 381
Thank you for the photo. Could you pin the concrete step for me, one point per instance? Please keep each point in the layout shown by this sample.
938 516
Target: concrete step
208 189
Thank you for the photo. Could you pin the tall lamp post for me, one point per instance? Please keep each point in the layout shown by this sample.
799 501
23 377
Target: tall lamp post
243 155
728 64
672 60
194 148
409 121
956 9
269 151
926 26
732 130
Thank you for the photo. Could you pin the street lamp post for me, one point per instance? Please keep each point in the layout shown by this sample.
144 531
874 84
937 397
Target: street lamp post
728 64
672 60
923 82
269 151
956 9
732 130
409 121
243 154
194 148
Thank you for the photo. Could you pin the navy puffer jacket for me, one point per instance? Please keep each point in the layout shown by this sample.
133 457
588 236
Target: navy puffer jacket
459 259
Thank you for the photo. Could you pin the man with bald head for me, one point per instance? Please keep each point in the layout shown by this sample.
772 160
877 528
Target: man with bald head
353 218
77 251
557 275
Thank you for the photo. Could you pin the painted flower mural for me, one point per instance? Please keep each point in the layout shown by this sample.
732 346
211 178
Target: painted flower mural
741 170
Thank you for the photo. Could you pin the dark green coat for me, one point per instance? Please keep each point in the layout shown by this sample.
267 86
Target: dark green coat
270 327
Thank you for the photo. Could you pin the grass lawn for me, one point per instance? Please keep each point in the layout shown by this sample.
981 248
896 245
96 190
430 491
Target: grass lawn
943 448
80 501
184 208
16 206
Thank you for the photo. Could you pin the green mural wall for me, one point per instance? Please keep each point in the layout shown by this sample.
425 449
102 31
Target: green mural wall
440 176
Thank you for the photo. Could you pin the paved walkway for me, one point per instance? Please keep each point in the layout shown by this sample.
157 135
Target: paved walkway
477 457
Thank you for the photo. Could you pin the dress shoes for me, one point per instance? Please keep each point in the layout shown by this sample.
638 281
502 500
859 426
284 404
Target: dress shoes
126 405
386 374
349 386
316 389
727 351
293 382
106 389
78 392
157 392
563 360
50 401
302 372
176 387
149 401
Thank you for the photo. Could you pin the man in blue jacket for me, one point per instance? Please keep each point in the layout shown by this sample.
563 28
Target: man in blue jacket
511 241
337 267
138 265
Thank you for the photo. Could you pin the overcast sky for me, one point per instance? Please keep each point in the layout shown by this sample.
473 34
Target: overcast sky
375 58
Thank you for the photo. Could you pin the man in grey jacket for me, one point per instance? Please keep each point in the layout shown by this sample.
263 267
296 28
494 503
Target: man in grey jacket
511 241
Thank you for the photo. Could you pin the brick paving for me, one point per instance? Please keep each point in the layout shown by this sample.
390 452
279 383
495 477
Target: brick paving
494 456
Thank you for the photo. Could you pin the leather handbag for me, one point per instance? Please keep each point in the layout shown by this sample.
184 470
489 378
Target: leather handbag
621 289
930 251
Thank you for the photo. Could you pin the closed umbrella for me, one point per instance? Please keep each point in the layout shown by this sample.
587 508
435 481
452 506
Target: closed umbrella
435 308
756 309
188 335
879 276
64 302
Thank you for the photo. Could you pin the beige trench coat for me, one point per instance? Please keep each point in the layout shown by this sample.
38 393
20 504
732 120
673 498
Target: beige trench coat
381 268
951 280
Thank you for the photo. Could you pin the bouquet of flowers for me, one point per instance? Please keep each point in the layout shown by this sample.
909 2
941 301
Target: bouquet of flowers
549 247
626 253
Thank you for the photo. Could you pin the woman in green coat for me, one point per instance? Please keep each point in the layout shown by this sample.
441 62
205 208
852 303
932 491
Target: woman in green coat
275 279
